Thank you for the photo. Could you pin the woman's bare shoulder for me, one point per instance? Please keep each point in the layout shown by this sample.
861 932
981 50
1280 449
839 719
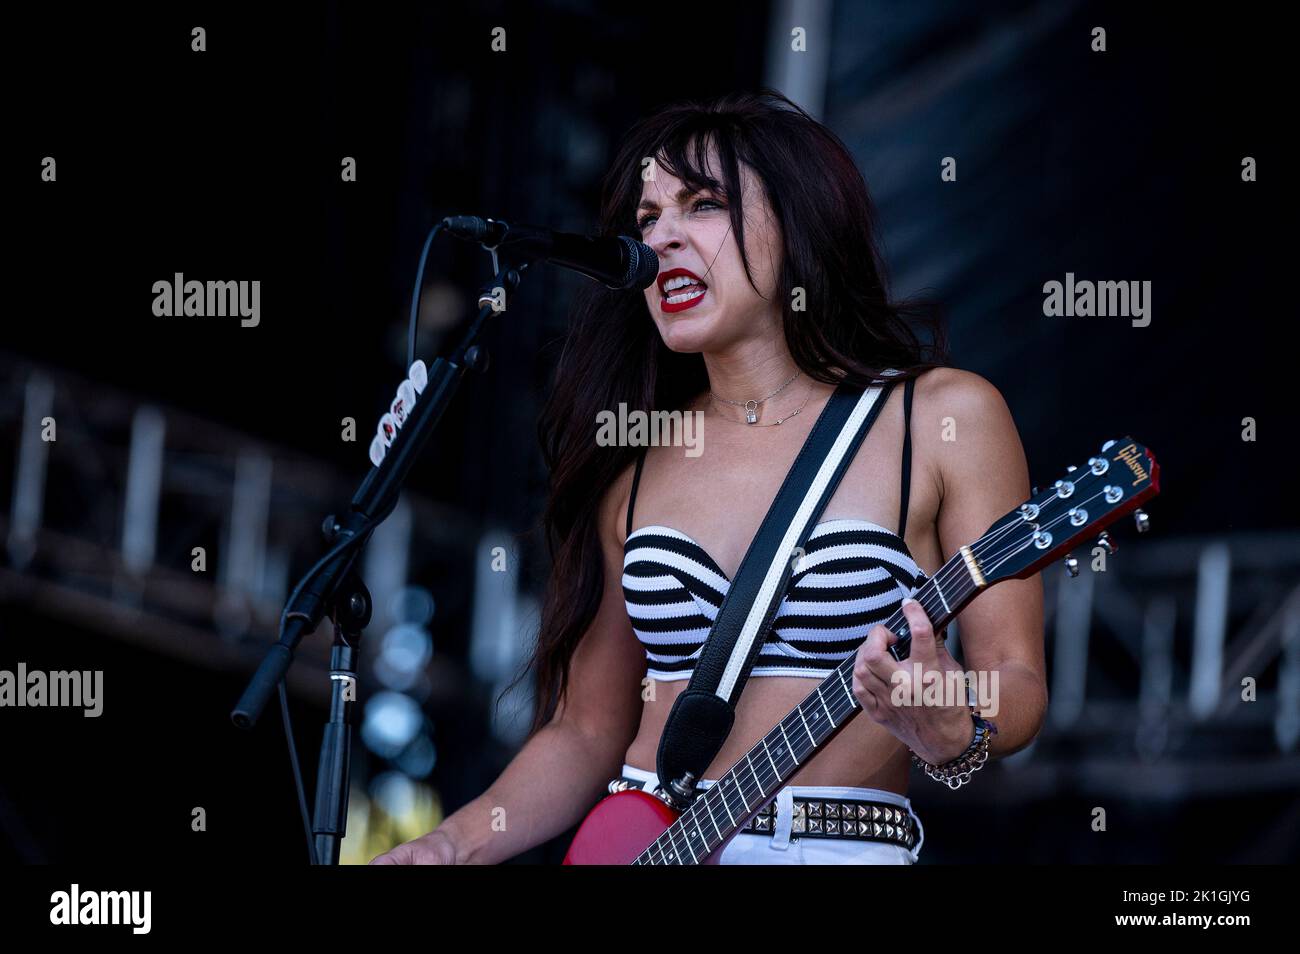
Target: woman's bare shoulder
956 392
961 425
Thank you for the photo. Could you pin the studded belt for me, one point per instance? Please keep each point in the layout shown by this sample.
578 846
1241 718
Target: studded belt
857 819
853 818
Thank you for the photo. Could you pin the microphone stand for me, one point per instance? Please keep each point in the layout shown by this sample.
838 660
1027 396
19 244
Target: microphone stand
332 587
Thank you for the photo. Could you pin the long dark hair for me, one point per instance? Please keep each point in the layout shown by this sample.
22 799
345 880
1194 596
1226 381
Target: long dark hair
850 329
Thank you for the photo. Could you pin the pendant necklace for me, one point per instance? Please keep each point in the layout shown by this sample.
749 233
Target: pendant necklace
751 407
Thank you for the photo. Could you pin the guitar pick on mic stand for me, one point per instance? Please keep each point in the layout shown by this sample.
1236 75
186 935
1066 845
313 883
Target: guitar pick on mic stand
333 588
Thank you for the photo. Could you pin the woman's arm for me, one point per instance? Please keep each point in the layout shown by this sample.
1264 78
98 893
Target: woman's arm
984 475
563 768
967 446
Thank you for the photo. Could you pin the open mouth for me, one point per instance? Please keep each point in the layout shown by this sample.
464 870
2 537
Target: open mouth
680 289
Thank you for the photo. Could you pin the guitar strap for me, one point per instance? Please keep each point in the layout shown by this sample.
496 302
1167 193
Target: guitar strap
702 716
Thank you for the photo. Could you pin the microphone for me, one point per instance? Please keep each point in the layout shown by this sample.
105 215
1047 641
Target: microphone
620 262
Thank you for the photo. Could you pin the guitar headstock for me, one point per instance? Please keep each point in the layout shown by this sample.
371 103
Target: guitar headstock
1082 503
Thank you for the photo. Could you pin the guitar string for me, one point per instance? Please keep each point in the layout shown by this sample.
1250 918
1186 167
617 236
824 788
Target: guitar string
1042 526
761 776
746 794
946 575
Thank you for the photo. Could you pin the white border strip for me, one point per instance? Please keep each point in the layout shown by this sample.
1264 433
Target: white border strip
762 602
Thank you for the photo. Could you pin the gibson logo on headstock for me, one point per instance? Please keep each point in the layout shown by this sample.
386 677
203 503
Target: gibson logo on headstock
1129 455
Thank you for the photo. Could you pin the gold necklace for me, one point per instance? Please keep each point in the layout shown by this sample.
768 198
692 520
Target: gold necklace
780 420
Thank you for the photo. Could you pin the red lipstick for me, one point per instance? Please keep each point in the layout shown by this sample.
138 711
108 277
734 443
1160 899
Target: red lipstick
688 287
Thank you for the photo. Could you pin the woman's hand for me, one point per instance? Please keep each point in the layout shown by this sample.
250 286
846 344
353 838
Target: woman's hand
435 848
890 691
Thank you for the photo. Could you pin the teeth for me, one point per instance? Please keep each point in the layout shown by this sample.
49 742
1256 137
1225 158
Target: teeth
679 282
685 296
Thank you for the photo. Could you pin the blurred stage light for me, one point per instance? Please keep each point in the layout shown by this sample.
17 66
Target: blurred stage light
404 651
412 604
395 793
419 758
391 723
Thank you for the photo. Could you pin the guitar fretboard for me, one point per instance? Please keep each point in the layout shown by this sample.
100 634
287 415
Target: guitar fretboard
751 783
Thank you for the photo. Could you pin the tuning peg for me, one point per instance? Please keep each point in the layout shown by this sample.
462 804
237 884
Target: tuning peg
1071 469
1107 446
1104 541
1071 565
1033 491
1142 520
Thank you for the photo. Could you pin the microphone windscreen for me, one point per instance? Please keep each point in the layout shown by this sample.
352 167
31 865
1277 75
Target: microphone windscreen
642 264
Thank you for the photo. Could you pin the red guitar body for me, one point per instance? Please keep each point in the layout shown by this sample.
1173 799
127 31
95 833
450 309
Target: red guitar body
620 828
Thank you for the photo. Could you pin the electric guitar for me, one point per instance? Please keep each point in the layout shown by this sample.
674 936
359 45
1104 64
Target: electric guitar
636 827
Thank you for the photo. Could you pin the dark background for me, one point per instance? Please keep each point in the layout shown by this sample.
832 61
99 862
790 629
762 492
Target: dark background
1123 165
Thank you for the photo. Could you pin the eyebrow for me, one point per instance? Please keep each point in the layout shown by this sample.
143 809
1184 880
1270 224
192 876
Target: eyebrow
684 193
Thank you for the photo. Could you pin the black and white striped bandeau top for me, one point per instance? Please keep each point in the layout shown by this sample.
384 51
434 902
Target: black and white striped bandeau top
853 575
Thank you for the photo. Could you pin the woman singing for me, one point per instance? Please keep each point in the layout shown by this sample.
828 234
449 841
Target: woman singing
771 292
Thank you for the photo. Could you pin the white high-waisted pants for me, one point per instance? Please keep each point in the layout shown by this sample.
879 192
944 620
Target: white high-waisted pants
777 848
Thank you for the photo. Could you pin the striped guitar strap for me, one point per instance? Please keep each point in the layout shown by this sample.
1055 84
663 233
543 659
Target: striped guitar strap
702 716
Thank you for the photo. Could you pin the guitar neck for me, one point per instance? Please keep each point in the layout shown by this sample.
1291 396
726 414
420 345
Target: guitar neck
751 783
